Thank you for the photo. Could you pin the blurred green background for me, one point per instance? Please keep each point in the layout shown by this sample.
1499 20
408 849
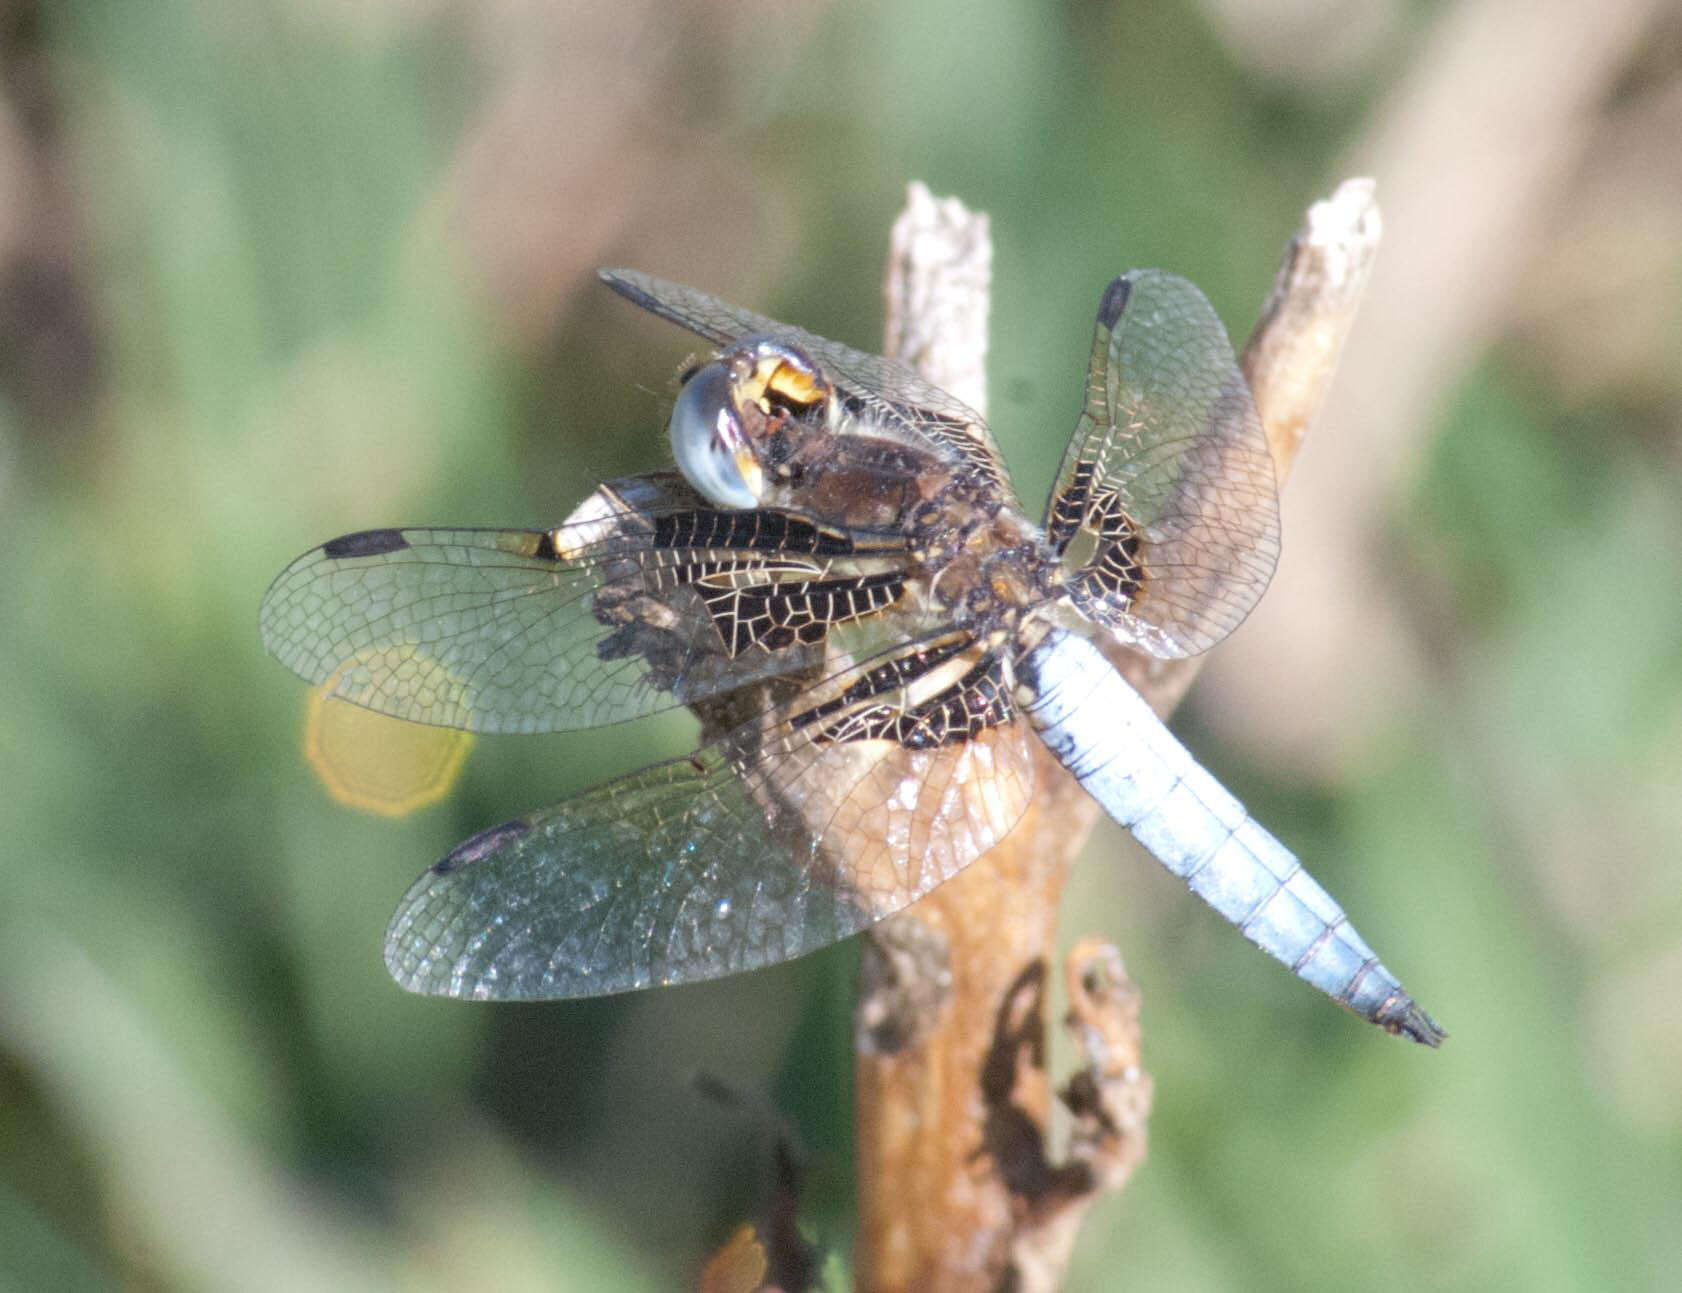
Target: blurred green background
274 271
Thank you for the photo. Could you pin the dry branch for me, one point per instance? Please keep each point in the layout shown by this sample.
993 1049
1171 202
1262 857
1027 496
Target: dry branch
957 1189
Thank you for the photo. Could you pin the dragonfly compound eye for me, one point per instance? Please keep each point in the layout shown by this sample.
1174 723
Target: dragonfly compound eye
710 444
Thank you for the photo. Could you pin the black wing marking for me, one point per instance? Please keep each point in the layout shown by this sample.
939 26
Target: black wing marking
1168 474
646 599
793 830
877 391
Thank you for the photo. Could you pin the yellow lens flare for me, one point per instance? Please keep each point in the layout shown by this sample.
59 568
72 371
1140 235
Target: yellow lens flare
375 763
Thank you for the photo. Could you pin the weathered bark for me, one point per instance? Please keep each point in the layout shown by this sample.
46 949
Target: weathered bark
957 1189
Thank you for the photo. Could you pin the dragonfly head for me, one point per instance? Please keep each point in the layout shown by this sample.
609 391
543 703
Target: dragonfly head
727 405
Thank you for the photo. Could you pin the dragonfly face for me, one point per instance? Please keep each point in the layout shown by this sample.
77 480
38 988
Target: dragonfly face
843 586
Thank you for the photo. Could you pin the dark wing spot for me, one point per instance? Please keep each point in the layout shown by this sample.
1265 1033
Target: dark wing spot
481 845
631 292
1114 301
775 615
960 713
1068 509
883 679
1115 573
364 543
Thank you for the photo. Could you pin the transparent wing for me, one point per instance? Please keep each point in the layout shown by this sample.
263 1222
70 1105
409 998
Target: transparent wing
791 831
644 600
876 390
1167 480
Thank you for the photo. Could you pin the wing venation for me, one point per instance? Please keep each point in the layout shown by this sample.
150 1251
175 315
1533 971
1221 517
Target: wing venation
879 393
644 600
1166 495
779 838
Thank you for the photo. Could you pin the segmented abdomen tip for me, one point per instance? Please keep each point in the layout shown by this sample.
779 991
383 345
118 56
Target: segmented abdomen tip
1410 1020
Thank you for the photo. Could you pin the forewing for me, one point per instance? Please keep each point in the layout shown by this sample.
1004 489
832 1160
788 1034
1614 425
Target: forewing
1168 474
790 832
645 600
878 391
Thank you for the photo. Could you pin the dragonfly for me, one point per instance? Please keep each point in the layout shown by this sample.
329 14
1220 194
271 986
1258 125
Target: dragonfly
839 580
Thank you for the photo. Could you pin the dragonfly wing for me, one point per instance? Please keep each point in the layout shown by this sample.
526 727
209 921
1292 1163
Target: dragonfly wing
645 599
791 831
878 393
1168 475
